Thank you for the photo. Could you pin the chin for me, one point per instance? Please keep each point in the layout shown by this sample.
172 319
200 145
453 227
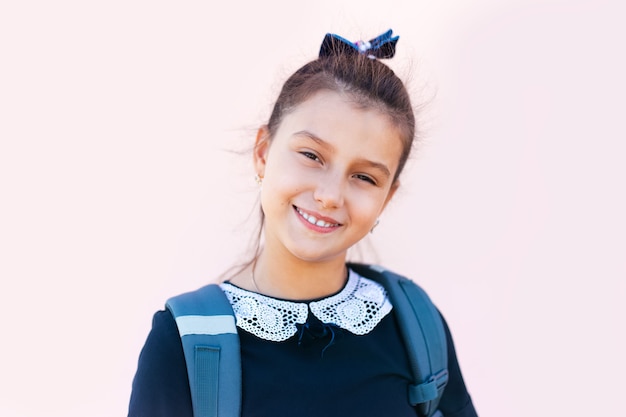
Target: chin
315 256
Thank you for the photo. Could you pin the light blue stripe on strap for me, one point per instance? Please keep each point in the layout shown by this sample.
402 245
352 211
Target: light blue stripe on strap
212 325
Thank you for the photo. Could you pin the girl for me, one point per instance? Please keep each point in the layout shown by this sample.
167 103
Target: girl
328 162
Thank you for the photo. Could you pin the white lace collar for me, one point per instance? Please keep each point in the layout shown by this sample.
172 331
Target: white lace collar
358 308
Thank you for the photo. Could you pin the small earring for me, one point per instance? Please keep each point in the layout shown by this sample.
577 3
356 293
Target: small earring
375 224
258 179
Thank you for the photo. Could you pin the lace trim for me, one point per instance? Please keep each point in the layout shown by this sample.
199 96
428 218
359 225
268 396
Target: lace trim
358 308
265 317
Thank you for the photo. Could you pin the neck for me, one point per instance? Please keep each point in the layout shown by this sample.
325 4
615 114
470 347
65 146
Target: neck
295 279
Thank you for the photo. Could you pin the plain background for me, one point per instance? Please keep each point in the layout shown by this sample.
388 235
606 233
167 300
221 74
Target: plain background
119 186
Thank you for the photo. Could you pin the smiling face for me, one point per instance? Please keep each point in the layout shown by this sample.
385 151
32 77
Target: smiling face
328 173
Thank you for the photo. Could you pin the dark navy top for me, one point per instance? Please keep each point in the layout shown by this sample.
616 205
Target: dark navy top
321 371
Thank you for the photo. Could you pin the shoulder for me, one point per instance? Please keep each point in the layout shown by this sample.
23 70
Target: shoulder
411 302
164 329
160 386
162 344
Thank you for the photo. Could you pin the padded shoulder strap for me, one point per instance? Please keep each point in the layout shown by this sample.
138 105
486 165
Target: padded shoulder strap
422 329
206 324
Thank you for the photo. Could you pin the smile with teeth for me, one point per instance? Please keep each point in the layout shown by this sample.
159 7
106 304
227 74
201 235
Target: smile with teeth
313 220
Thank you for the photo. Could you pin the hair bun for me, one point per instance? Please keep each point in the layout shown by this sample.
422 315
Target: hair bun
381 47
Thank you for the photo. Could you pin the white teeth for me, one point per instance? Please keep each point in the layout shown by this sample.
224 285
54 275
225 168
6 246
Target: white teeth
313 219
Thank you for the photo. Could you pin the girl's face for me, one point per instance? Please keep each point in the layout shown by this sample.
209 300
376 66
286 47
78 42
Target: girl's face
327 176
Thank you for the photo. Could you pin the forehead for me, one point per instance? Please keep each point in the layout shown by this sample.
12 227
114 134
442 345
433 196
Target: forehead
350 127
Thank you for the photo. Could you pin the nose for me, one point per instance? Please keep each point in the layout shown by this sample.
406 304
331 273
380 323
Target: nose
329 191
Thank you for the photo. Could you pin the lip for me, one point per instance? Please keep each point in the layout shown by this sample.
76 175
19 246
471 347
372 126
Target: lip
322 229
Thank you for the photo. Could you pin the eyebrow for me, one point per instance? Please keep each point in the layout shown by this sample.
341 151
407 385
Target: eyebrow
314 138
376 165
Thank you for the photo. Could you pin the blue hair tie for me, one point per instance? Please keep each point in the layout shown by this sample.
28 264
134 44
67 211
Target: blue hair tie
381 47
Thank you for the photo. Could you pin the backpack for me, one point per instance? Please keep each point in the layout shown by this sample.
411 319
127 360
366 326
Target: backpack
208 331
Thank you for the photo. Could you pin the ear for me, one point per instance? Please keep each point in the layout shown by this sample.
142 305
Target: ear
392 191
261 149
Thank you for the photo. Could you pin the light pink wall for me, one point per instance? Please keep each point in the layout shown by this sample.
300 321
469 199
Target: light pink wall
117 188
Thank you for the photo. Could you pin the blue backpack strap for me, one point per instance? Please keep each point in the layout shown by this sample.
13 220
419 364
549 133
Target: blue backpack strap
206 324
422 329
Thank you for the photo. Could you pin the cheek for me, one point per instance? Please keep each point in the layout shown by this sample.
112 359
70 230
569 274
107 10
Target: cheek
366 206
286 175
279 189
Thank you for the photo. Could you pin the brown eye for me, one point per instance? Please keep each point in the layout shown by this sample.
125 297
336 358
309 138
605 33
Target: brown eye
310 155
365 178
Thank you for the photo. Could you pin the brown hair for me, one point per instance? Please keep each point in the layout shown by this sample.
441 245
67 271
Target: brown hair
369 82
